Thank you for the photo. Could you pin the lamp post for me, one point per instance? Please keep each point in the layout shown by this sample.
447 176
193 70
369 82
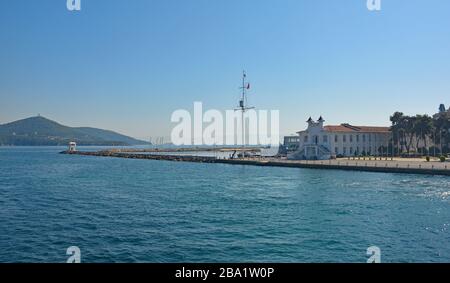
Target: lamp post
434 147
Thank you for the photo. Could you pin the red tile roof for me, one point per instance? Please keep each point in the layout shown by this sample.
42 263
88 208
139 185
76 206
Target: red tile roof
351 128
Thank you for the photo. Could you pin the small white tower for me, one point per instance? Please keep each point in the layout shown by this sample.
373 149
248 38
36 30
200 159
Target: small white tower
320 121
310 122
72 146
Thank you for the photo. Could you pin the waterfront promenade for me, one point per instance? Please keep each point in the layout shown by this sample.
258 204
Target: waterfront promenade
386 166
387 163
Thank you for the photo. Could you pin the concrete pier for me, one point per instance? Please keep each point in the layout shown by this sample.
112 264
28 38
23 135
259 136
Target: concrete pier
384 166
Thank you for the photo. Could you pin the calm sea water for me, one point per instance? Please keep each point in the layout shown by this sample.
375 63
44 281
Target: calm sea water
120 210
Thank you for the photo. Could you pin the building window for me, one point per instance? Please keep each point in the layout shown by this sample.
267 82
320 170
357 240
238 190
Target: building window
351 139
325 139
344 150
344 138
336 151
364 138
357 150
357 138
351 150
305 139
336 138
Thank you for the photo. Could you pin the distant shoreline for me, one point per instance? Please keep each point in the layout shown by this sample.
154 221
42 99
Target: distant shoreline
40 131
90 145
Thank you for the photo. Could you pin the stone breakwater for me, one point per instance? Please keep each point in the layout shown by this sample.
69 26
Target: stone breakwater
368 166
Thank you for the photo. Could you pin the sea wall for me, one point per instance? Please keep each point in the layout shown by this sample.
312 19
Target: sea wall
374 166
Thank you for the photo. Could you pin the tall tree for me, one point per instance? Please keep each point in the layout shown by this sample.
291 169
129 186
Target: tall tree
423 128
441 137
397 128
409 125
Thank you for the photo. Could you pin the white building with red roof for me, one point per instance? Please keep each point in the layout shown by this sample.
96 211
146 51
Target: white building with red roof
319 141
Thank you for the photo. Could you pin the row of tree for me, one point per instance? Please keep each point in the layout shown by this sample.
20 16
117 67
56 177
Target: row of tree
421 134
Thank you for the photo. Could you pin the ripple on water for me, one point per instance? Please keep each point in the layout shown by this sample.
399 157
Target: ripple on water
148 211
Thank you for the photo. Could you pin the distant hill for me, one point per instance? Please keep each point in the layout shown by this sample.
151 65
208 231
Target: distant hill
42 131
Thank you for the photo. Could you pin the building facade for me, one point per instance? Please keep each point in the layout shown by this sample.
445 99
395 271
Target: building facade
291 143
319 142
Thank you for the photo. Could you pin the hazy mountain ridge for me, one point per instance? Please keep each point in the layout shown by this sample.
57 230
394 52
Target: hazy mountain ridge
42 131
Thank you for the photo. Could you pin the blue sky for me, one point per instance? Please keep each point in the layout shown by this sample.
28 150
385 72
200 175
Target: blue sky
127 65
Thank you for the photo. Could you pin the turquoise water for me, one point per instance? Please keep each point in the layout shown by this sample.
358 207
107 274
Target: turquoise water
121 210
